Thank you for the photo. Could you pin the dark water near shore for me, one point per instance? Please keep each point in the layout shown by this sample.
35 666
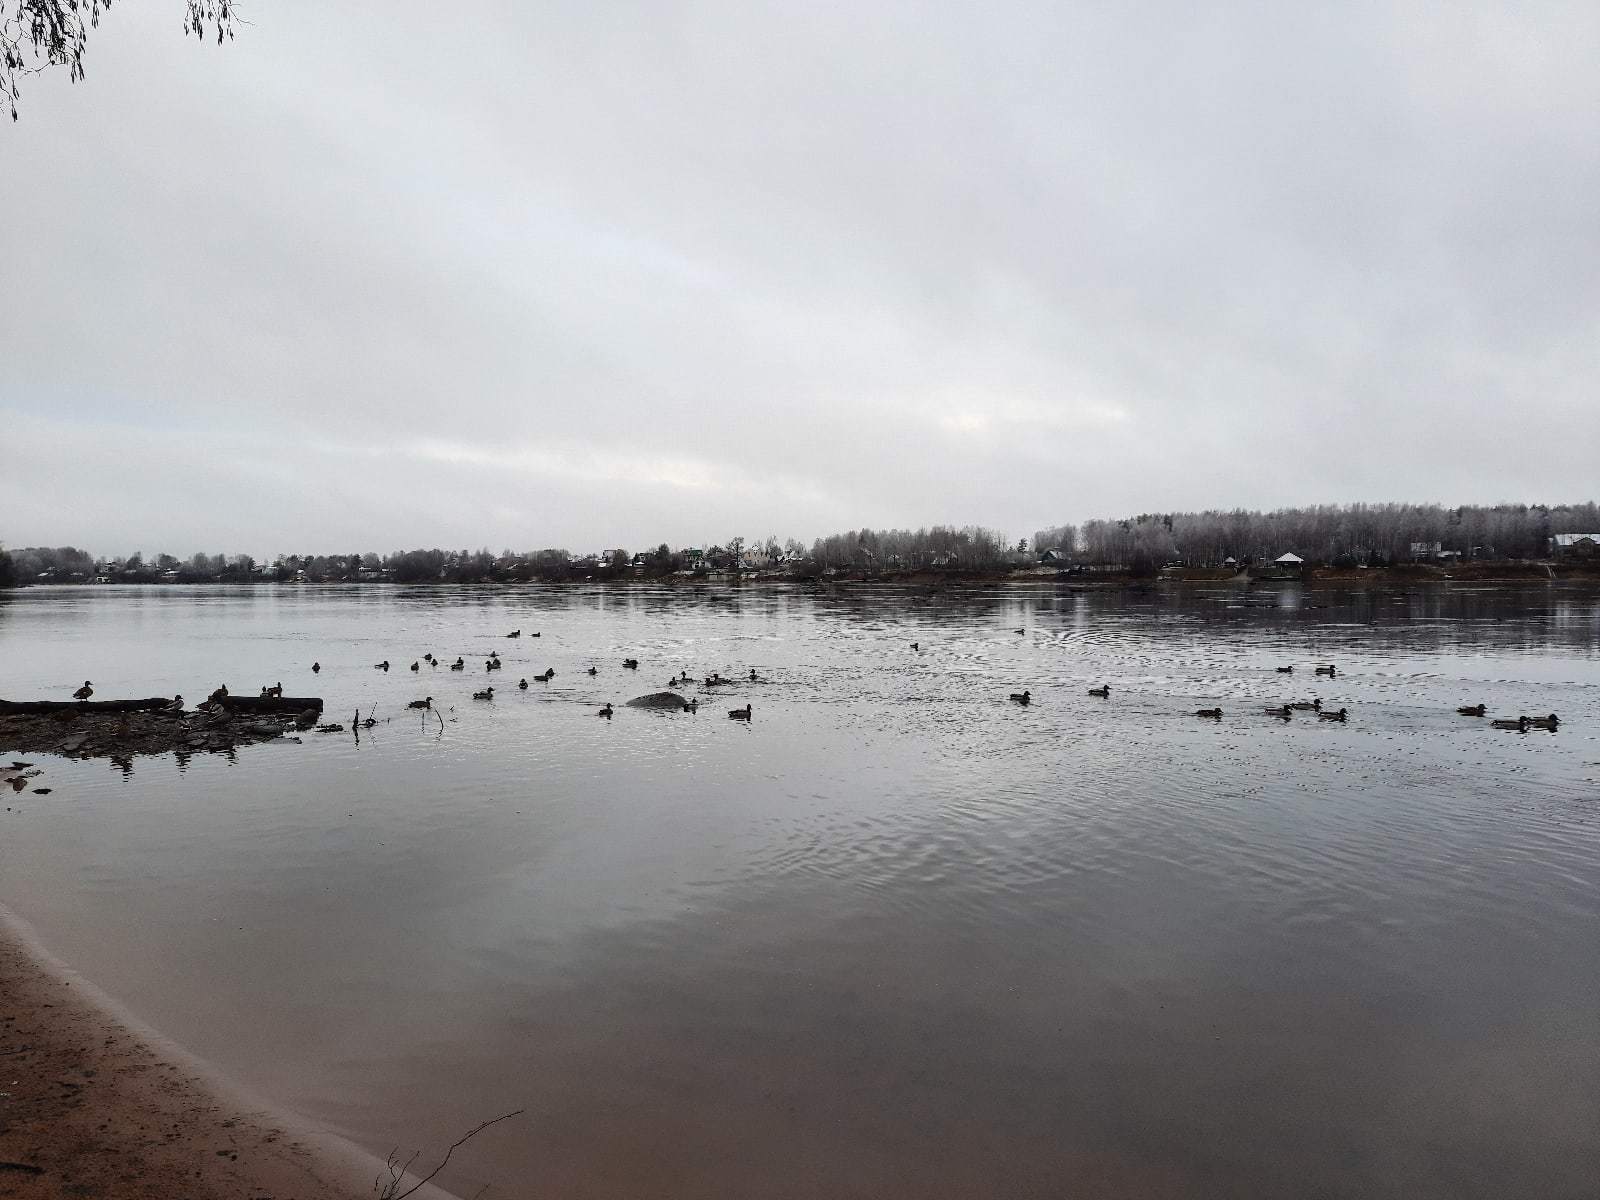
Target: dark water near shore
896 936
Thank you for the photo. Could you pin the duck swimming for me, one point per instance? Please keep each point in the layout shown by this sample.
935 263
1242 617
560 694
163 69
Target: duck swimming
740 714
1283 711
690 706
1023 697
383 666
316 668
1549 722
604 712
427 703
631 664
458 665
1520 724
1330 670
592 671
486 694
522 684
84 692
1473 710
1307 705
416 666
1336 715
1214 713
1289 670
1103 691
515 633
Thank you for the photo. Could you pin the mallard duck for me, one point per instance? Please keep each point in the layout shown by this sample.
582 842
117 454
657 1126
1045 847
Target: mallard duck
175 705
316 668
416 666
486 694
1289 670
605 712
1019 631
593 671
1336 715
1023 697
549 674
1103 691
425 703
535 633
1473 710
916 646
84 692
458 665
1307 705
1549 722
430 659
1213 713
1330 670
515 633
522 685
690 706
1520 724
754 678
740 714
1284 712
383 666
631 664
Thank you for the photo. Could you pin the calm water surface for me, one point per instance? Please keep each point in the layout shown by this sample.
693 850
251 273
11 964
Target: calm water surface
896 936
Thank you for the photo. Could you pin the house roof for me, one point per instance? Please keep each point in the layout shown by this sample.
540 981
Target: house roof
1568 539
1291 557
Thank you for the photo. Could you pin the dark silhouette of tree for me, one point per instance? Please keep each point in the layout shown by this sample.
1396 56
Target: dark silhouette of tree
36 35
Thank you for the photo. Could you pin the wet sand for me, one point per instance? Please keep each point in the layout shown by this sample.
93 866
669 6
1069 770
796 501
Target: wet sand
92 1105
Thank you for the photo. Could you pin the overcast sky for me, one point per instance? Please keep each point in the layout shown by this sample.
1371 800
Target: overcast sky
585 275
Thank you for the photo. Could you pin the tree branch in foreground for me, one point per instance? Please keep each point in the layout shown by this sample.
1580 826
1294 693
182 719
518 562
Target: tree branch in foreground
389 1189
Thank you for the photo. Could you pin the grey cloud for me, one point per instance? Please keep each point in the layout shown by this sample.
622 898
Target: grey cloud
578 275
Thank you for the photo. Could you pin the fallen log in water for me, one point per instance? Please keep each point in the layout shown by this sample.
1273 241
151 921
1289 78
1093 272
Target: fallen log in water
272 704
21 707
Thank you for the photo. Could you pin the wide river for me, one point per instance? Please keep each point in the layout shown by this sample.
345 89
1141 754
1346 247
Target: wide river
894 937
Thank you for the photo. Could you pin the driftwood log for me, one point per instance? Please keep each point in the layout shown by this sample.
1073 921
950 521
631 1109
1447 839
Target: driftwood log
27 707
272 704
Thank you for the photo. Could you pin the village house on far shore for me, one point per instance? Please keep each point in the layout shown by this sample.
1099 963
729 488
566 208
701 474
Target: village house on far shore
1575 545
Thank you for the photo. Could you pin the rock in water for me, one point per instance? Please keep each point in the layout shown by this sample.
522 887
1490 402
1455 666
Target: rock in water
658 700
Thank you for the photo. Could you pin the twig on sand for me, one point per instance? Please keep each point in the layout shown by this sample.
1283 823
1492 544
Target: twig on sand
390 1189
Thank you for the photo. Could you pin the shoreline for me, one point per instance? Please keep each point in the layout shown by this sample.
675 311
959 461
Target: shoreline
1473 572
94 1102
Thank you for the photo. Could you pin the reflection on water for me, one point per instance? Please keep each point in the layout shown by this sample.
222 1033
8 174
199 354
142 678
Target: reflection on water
894 937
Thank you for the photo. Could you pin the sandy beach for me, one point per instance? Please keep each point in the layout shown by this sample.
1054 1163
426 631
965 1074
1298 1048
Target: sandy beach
91 1105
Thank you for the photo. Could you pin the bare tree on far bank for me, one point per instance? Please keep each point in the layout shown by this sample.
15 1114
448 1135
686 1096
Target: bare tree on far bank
1338 534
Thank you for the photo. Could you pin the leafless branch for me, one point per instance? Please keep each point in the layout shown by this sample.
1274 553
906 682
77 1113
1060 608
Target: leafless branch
390 1190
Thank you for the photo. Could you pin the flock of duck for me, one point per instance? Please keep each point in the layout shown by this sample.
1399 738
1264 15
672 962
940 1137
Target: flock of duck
1284 712
493 663
1287 710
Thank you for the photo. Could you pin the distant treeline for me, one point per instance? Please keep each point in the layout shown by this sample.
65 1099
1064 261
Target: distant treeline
1331 534
1334 534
